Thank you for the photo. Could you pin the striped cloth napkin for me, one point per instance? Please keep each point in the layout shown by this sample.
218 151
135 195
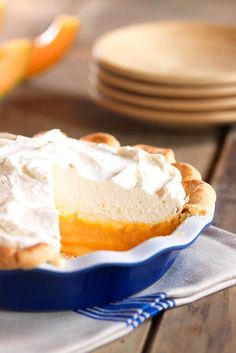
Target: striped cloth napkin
208 266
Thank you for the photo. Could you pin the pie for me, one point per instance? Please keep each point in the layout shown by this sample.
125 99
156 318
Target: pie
62 196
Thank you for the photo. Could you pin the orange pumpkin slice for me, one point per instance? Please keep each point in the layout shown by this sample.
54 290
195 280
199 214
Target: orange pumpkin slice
14 58
52 45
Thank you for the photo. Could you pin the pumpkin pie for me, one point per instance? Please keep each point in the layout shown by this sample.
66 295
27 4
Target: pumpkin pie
62 196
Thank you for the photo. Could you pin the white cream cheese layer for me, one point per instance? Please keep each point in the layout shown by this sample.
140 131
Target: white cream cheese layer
52 173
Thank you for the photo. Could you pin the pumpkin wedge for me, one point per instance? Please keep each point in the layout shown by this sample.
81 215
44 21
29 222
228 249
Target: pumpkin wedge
14 59
52 45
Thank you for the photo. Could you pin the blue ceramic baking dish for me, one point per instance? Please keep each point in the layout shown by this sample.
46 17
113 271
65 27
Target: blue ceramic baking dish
97 278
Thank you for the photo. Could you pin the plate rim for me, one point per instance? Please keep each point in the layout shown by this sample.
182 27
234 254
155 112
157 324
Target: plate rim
164 104
214 79
186 118
159 89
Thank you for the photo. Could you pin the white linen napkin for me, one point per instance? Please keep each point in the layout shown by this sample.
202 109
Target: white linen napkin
208 266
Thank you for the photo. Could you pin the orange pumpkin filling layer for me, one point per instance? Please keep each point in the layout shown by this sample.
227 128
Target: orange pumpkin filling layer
80 236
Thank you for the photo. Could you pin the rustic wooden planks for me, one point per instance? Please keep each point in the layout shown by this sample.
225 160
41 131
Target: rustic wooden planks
205 326
209 324
224 180
134 342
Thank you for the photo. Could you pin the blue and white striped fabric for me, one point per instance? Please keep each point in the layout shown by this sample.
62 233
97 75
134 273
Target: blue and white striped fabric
208 266
132 311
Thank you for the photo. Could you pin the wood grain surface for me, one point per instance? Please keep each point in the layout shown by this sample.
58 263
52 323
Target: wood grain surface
59 99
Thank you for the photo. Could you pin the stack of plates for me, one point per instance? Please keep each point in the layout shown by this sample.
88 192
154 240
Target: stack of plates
167 72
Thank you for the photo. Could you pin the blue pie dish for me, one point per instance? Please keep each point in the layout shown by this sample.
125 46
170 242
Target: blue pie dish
100 277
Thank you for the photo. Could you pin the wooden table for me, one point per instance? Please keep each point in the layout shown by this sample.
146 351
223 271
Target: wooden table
59 99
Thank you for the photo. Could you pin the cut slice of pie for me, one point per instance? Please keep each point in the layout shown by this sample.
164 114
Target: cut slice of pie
67 196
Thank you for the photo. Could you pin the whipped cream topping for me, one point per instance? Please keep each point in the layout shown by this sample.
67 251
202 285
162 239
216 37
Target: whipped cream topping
51 172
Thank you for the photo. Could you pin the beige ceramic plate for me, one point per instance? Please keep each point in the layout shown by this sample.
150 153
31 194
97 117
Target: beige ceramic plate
172 52
163 90
190 105
166 117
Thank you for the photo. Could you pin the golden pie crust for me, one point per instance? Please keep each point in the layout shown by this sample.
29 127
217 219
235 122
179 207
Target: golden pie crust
201 198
